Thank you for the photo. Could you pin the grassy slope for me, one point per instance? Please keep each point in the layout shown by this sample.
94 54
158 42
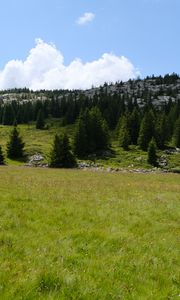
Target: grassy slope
40 141
83 235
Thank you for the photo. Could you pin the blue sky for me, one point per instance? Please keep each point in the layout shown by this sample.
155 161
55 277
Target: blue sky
146 32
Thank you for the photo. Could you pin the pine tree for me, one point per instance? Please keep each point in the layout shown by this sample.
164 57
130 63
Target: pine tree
8 115
15 146
40 120
124 137
177 133
91 133
134 123
161 131
147 130
1 157
80 137
97 131
61 155
152 156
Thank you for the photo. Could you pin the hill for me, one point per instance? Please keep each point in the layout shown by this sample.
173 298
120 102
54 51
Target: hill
124 107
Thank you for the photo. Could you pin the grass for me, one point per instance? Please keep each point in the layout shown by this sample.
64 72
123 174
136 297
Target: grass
40 141
71 234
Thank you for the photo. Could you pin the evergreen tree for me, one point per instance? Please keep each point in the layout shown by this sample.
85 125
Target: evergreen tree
124 137
1 157
97 131
161 131
152 156
146 130
8 115
40 120
61 155
134 124
80 137
15 146
91 133
177 133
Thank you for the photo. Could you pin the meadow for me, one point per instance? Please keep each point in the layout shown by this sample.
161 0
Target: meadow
40 141
74 234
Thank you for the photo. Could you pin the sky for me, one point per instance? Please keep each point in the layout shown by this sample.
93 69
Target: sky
79 43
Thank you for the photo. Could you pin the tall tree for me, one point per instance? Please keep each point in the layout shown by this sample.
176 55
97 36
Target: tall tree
124 137
91 134
80 137
40 120
15 146
61 155
152 156
134 124
146 130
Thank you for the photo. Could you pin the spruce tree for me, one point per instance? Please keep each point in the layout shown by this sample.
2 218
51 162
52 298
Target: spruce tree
80 137
152 156
134 124
92 133
40 120
177 133
97 131
161 131
1 157
61 155
15 146
124 137
147 130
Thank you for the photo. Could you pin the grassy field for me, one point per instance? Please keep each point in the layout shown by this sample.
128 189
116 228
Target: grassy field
71 234
40 141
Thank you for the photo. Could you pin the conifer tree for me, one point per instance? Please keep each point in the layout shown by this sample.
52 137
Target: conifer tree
161 131
40 120
146 130
91 134
134 123
61 155
15 146
152 156
1 157
177 133
97 131
80 137
124 137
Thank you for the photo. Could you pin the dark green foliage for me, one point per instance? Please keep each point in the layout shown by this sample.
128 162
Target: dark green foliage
124 137
162 131
97 131
152 156
8 116
147 130
15 146
134 124
61 155
1 157
177 133
91 133
80 137
40 120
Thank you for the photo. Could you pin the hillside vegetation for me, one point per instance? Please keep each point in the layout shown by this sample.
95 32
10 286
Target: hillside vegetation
71 234
113 125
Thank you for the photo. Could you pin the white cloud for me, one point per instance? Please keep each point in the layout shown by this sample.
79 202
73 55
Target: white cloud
86 18
44 69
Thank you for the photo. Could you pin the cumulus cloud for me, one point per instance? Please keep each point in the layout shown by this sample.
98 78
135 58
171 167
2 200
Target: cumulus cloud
44 68
86 18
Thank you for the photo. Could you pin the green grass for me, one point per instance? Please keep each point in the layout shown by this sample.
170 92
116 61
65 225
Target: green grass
69 234
40 141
